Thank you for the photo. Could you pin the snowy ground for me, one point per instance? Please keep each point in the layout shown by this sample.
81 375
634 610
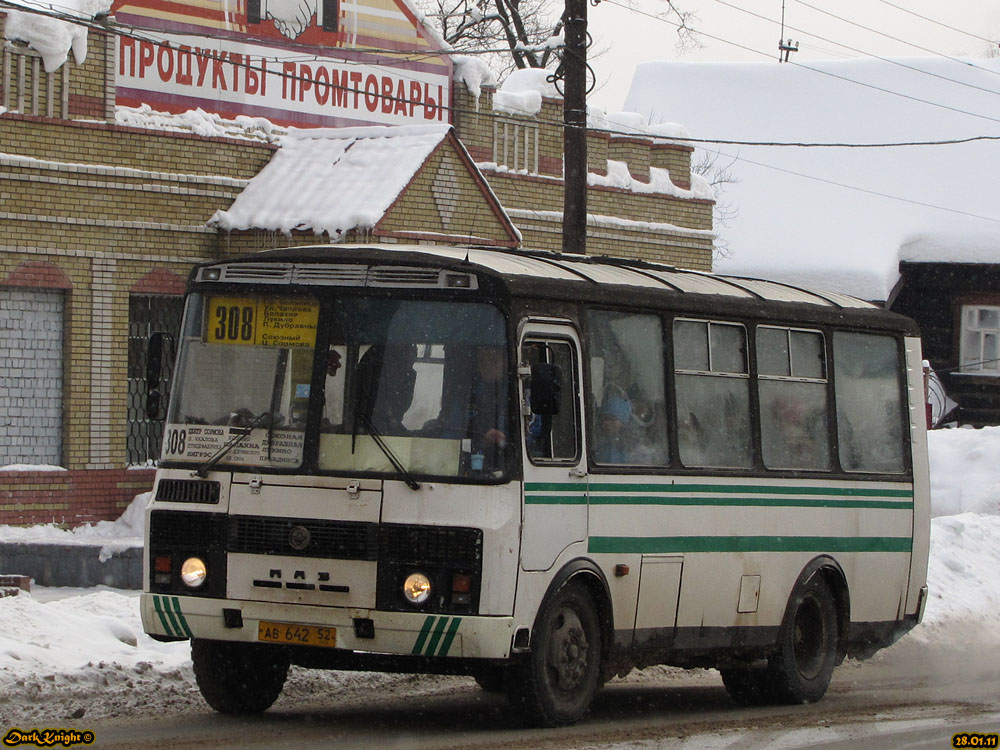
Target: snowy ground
66 654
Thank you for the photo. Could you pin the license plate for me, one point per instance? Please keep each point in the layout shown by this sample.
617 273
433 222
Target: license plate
301 635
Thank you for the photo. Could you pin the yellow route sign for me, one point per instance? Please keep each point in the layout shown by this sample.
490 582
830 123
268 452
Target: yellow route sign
262 321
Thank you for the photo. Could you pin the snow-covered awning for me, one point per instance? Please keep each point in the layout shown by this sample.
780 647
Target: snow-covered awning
334 181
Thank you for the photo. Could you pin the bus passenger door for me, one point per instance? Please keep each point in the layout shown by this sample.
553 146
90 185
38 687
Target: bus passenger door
555 464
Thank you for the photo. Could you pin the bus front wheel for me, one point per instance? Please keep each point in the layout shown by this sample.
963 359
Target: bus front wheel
238 678
801 670
558 680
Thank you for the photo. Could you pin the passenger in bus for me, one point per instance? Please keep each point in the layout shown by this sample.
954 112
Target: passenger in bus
477 411
612 443
487 415
384 385
333 393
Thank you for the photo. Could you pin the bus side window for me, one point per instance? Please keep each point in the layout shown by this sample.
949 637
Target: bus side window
713 394
555 436
870 405
627 398
792 386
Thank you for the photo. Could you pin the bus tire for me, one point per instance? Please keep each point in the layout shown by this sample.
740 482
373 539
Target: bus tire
807 645
557 681
238 678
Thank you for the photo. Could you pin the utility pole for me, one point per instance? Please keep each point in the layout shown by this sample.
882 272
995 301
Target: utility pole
785 48
574 71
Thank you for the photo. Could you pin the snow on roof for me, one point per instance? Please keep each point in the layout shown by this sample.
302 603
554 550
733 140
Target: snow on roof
473 72
618 176
51 37
522 92
838 214
941 247
332 180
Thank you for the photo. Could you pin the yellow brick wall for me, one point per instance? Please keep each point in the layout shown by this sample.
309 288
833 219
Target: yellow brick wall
445 199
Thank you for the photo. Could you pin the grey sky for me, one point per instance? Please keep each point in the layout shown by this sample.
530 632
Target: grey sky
628 38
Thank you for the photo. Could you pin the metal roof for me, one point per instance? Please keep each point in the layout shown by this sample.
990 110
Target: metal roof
517 267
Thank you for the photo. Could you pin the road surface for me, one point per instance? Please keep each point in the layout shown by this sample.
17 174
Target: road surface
910 696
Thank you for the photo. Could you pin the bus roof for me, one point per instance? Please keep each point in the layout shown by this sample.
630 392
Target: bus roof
531 273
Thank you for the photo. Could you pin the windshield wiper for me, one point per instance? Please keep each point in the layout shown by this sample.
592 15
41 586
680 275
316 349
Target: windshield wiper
203 470
360 416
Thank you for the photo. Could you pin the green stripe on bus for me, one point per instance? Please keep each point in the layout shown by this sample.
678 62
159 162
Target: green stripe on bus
667 544
162 616
180 617
449 636
436 635
422 638
165 602
759 502
747 489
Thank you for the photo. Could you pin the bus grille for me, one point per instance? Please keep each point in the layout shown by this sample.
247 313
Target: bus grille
431 544
341 540
188 491
169 530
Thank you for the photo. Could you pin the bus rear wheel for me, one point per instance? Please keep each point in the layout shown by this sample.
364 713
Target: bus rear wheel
801 670
558 680
239 678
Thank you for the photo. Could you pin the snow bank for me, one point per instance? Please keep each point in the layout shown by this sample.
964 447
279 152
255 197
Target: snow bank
112 536
964 593
965 474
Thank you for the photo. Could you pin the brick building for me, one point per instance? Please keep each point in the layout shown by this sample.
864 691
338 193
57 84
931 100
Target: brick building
101 221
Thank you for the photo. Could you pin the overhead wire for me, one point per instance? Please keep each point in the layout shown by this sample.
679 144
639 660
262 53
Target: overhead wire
893 38
891 61
939 23
803 65
856 188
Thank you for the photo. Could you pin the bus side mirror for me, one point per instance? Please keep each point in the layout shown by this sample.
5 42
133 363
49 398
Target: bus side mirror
154 371
546 384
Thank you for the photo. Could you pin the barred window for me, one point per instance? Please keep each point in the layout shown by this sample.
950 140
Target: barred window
515 145
146 314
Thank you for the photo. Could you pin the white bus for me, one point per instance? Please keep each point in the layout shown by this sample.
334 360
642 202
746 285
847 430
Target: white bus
538 470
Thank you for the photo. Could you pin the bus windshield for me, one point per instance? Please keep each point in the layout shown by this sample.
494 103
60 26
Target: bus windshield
243 375
399 387
417 385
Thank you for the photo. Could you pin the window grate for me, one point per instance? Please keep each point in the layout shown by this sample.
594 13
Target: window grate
147 313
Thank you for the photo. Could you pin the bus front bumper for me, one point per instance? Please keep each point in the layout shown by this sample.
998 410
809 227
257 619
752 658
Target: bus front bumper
363 630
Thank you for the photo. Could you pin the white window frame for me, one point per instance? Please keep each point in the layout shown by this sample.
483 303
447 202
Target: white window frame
515 145
975 362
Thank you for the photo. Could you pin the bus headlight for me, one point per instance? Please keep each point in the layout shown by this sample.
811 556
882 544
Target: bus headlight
417 588
193 572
